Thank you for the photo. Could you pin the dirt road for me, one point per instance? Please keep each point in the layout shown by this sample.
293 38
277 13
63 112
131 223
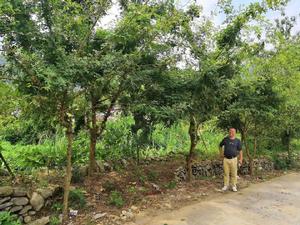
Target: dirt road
270 203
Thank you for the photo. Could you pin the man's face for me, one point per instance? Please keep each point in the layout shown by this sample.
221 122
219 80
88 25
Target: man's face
232 133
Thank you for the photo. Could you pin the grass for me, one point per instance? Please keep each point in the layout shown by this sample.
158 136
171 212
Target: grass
118 143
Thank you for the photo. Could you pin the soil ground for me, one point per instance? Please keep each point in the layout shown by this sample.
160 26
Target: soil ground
273 202
148 189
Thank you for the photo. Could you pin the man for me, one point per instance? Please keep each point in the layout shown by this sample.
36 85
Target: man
230 148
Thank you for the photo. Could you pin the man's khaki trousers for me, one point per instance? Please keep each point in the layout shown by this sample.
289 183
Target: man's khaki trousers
230 169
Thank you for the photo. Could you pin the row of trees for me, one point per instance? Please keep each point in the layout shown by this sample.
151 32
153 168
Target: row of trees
65 68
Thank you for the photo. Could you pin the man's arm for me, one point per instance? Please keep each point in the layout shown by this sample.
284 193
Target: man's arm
221 149
241 157
240 153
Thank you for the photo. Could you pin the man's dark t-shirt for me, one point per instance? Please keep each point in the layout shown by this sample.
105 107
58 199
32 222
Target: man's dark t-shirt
232 147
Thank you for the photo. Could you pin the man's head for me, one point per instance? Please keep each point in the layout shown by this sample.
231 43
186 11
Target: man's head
232 132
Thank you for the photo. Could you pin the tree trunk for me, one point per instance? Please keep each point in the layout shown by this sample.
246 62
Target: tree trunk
69 134
194 140
93 139
250 158
6 165
286 142
255 142
138 155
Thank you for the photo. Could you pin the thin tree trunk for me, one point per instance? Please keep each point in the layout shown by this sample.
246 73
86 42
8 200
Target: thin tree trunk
194 139
137 155
255 146
255 142
69 134
288 144
6 165
108 111
93 139
244 140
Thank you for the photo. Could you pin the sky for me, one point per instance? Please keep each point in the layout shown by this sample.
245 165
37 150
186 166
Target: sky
292 9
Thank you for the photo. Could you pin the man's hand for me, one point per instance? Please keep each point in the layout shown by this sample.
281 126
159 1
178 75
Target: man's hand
240 162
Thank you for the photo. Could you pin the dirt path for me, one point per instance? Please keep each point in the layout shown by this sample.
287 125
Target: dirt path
273 202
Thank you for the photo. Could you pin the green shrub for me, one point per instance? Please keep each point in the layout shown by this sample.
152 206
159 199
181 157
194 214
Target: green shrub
57 206
110 186
171 185
152 176
54 220
116 199
50 153
139 175
7 219
78 175
77 198
132 190
117 140
281 163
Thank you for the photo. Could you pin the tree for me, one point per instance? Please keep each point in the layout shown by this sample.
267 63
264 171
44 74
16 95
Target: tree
43 42
284 65
208 87
252 108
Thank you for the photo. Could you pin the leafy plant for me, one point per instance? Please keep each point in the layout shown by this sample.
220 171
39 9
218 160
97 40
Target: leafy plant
171 185
116 199
152 176
132 190
8 219
54 220
77 198
110 186
57 206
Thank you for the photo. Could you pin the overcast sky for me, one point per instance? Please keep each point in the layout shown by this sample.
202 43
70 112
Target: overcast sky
292 9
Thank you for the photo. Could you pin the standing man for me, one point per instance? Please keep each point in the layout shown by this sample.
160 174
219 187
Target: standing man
230 148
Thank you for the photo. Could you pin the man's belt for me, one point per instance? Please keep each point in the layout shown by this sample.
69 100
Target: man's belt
230 157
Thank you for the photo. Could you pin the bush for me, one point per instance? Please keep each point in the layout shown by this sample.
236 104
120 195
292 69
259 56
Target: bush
54 220
77 198
281 163
7 219
152 176
171 185
51 153
117 140
57 207
110 186
116 199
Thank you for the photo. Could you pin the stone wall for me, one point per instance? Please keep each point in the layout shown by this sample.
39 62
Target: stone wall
24 203
215 168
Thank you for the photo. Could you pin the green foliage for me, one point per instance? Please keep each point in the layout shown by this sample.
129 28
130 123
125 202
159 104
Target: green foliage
117 140
139 175
54 220
110 186
49 153
171 185
77 199
281 164
132 190
116 199
58 69
77 176
57 207
152 176
7 219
